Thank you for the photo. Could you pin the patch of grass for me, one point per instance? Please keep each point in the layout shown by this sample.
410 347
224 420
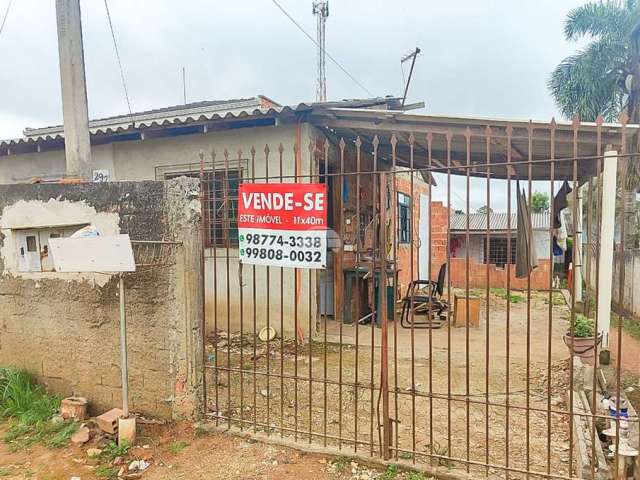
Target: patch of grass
105 471
200 431
177 446
341 464
631 326
502 293
53 435
30 408
416 476
113 450
390 472
23 399
4 472
557 300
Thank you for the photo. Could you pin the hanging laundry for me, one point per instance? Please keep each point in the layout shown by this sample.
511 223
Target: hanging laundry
560 202
526 257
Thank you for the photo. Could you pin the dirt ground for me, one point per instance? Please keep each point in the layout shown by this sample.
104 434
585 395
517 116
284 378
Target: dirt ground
459 403
199 456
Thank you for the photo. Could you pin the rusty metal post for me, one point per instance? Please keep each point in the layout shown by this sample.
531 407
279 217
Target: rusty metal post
384 349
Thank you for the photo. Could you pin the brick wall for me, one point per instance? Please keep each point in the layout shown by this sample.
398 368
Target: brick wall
64 328
497 275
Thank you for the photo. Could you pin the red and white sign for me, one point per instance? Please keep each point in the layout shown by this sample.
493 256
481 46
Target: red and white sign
283 224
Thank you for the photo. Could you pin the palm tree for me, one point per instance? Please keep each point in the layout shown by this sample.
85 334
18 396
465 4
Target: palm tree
604 77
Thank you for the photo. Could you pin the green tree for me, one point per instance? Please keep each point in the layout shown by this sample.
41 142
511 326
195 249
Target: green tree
484 209
539 202
604 77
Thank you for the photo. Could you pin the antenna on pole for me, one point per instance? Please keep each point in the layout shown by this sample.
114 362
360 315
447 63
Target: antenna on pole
411 56
321 10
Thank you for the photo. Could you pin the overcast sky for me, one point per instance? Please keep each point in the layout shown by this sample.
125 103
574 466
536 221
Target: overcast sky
485 58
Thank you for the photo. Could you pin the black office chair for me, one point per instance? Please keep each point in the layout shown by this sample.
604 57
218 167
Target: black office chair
425 297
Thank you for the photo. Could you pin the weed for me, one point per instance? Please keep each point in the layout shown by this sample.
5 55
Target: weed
631 326
53 435
442 451
390 473
200 431
105 471
341 464
502 293
4 472
21 398
177 446
557 300
113 450
415 476
406 455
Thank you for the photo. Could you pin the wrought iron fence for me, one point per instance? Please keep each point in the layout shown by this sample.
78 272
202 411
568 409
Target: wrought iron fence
476 370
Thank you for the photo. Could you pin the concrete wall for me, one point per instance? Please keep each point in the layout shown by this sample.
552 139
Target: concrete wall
63 328
631 290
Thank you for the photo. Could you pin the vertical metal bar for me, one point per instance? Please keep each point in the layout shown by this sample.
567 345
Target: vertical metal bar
340 354
124 362
528 346
311 178
449 137
383 287
280 152
225 195
430 165
359 248
621 274
205 238
488 298
326 301
552 137
411 278
508 329
296 153
241 308
214 244
373 323
268 308
255 310
467 347
574 250
384 354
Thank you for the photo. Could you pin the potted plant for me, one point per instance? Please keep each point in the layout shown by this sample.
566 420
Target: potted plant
583 342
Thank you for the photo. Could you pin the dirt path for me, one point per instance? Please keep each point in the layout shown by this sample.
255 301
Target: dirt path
177 452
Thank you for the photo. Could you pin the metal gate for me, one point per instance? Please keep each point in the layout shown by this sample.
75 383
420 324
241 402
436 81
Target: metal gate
459 363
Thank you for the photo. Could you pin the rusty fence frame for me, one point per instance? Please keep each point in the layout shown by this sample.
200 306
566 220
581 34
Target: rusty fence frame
383 395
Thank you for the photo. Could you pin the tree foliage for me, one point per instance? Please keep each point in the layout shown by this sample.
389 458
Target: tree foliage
592 81
484 209
539 202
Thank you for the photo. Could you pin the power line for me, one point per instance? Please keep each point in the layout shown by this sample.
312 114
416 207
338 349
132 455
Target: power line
6 14
318 45
115 45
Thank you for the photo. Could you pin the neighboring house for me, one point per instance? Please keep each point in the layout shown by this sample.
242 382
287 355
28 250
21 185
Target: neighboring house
495 260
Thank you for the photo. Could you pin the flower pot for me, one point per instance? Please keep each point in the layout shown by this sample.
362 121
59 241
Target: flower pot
583 347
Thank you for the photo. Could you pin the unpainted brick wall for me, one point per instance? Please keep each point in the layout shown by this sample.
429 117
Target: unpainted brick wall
66 332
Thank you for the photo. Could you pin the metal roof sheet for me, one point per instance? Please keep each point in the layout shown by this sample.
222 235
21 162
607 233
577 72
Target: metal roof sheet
497 221
177 115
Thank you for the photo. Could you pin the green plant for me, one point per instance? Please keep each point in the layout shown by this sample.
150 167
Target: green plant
20 436
583 327
21 398
539 202
4 472
105 471
502 293
177 446
113 450
416 476
390 472
341 464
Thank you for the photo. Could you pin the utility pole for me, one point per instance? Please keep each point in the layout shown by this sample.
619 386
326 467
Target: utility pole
321 10
74 90
412 56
